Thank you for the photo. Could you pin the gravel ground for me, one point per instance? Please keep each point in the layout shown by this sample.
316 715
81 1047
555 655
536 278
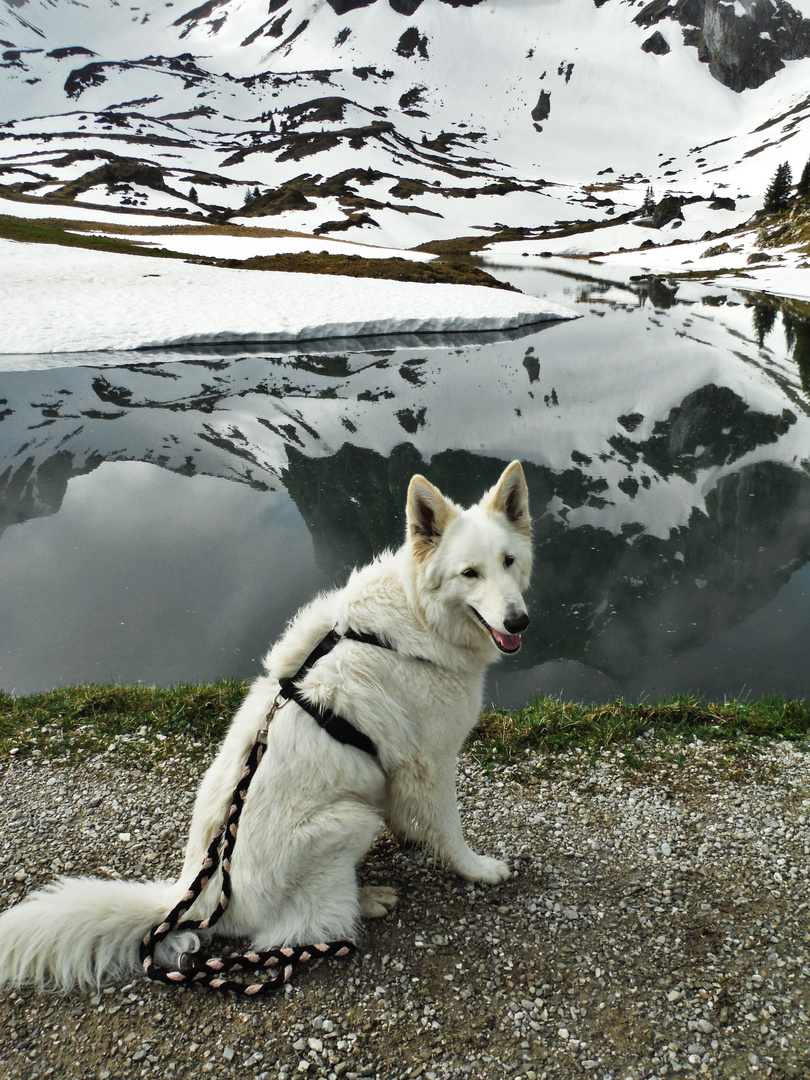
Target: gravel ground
656 924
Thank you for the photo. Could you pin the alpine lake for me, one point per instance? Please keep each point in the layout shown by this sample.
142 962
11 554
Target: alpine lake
164 513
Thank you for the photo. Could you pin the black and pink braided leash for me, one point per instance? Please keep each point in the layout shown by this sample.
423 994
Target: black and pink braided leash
213 971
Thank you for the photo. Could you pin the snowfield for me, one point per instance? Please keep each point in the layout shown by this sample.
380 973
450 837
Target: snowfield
70 300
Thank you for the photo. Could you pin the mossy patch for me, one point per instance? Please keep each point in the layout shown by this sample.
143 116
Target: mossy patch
786 228
394 269
54 231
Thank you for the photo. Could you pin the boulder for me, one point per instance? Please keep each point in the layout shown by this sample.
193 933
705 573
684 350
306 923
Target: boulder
665 211
656 43
542 109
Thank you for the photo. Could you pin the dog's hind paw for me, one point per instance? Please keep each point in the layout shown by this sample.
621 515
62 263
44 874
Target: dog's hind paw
177 950
376 901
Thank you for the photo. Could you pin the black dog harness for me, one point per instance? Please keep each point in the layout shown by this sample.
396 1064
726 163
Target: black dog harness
336 726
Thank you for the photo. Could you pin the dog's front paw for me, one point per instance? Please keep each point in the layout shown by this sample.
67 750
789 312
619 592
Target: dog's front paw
377 901
483 868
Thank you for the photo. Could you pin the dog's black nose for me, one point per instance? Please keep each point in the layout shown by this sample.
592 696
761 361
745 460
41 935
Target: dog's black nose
516 624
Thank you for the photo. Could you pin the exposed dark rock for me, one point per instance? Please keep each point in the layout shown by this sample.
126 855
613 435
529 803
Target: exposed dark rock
80 78
411 42
542 109
276 202
340 7
277 27
317 111
116 171
739 56
364 73
689 12
653 13
566 70
405 7
657 44
668 209
196 14
296 33
743 44
73 50
412 97
355 221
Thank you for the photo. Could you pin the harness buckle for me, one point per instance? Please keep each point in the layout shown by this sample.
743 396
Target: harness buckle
277 703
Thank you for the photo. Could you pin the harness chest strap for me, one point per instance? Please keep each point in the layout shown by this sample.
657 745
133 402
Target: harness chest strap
337 726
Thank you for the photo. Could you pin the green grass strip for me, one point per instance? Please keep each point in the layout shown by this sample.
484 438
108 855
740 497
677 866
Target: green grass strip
77 720
550 724
152 724
55 231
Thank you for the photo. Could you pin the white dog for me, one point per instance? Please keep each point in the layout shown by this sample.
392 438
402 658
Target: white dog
437 613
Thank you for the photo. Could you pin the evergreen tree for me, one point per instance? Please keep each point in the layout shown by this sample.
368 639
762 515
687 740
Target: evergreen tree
763 317
803 187
777 196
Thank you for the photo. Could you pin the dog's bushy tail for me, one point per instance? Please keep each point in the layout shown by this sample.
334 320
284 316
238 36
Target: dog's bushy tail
79 932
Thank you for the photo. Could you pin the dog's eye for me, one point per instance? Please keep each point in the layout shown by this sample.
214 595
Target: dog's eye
508 560
470 572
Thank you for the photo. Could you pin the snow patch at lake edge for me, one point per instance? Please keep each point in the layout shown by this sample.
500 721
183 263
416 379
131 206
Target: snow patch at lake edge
69 300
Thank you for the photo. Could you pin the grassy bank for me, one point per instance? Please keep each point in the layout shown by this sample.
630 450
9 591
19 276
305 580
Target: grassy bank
150 724
101 236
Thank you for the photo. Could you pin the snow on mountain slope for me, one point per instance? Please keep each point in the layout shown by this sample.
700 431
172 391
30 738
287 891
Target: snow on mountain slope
402 121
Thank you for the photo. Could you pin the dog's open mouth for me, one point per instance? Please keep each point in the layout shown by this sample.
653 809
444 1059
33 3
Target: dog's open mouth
507 643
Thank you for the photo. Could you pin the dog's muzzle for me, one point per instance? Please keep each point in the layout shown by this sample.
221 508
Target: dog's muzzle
508 642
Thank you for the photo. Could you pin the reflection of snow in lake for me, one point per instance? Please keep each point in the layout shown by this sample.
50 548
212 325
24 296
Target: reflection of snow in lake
663 444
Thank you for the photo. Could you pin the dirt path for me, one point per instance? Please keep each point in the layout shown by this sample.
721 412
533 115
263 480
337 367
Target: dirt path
656 924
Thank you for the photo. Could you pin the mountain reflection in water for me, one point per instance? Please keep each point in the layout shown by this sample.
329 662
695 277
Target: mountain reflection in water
162 519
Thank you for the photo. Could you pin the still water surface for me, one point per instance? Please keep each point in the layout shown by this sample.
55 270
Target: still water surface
163 518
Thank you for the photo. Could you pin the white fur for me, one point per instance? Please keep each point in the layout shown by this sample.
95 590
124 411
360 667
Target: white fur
315 806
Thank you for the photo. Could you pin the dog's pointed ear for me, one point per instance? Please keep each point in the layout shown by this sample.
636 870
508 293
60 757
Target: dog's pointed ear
428 514
510 497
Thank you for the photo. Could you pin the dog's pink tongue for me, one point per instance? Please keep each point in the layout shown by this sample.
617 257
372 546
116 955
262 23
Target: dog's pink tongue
510 642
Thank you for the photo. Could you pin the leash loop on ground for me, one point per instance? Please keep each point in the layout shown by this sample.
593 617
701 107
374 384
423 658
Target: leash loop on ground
284 961
211 972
